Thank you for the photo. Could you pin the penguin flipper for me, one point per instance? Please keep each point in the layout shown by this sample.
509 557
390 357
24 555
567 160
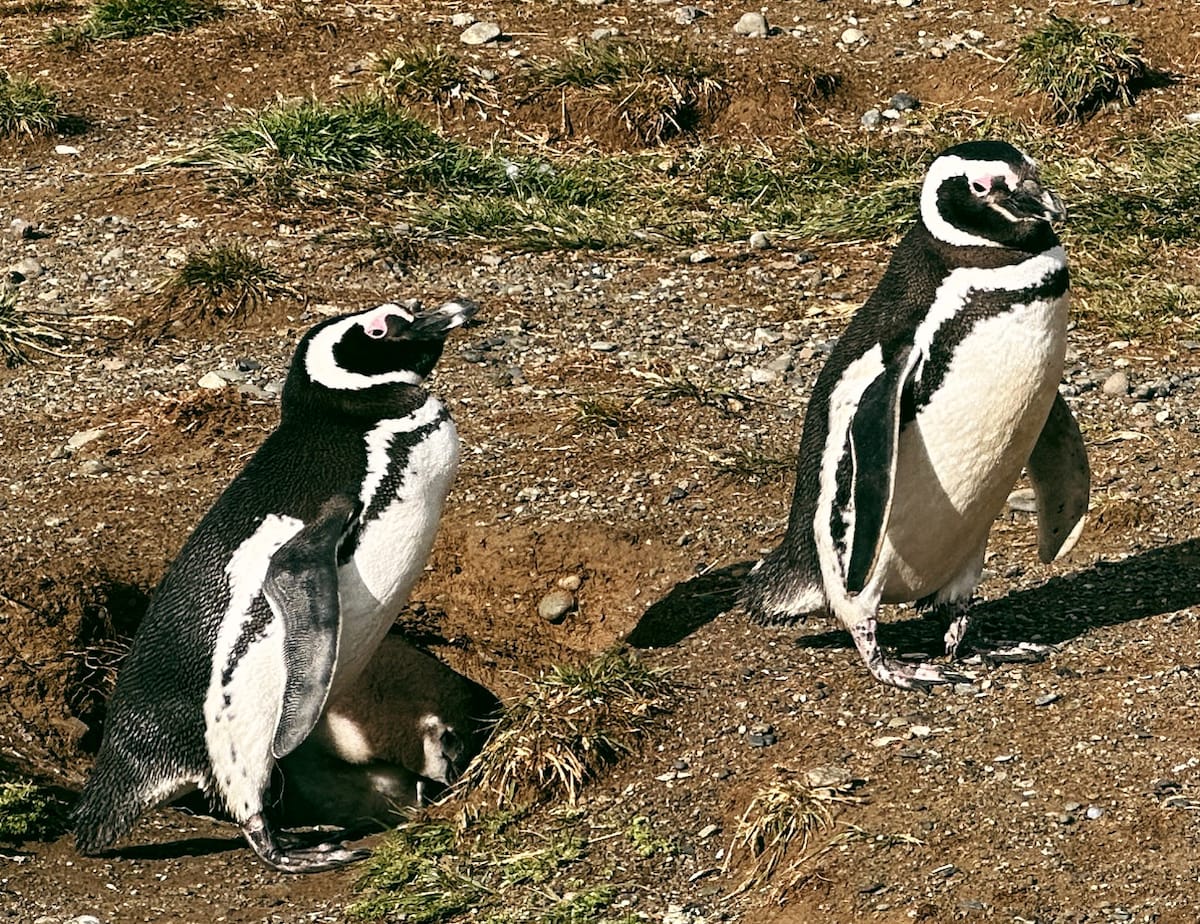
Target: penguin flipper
1061 477
869 460
301 586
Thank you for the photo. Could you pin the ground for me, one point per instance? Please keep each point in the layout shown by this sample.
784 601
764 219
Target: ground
615 428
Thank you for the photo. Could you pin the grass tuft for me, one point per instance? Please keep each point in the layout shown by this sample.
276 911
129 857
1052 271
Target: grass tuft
601 414
1081 67
573 723
29 812
27 108
23 331
225 282
430 74
774 833
655 89
753 465
122 19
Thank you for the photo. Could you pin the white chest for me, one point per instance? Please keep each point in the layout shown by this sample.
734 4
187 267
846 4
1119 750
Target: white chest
402 499
959 458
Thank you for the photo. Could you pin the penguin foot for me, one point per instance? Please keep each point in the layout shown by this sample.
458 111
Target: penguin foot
909 676
993 651
317 858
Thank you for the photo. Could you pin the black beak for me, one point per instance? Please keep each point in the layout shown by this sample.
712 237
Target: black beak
1030 200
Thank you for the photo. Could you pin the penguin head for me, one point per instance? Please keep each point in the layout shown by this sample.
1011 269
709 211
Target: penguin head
385 346
987 194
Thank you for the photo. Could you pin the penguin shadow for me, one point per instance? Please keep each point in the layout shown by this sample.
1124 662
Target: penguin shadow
690 605
1159 581
178 849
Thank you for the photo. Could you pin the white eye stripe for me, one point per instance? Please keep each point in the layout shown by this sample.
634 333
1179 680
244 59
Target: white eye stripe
322 366
949 167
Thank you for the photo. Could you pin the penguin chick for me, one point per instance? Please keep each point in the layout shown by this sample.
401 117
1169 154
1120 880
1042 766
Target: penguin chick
280 597
407 728
943 386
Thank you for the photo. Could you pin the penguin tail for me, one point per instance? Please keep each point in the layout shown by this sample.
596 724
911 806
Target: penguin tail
116 793
781 589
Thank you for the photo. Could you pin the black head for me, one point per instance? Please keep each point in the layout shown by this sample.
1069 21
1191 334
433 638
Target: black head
354 355
987 194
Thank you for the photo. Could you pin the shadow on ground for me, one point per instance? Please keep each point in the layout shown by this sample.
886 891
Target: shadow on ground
1107 594
689 605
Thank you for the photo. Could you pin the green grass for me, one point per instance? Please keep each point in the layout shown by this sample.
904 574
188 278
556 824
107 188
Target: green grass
224 282
571 724
430 74
29 812
508 866
27 108
1080 67
24 332
122 19
657 90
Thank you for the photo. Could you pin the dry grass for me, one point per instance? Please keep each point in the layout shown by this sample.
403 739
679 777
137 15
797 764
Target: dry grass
24 332
1081 67
431 74
573 722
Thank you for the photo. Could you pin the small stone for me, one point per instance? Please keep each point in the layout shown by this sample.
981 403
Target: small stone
1116 384
599 35
853 36
212 380
1193 118
116 255
905 4
760 240
1023 500
1141 409
761 736
95 467
462 20
66 150
885 741
27 268
83 919
891 114
1094 812
781 363
83 437
700 256
827 778
753 25
686 15
245 364
872 118
555 605
480 33
603 346
764 376
570 583
707 831
920 731
1072 807
20 228
1046 699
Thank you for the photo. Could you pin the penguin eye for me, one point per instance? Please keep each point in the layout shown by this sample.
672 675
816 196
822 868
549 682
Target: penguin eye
978 187
376 332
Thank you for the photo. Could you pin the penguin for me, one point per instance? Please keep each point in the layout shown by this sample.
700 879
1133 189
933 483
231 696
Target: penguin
943 386
404 732
280 597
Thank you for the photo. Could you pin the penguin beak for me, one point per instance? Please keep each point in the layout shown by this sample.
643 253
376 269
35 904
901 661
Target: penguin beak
1030 200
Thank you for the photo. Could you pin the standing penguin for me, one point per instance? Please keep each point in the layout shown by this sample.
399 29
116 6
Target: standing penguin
284 591
943 386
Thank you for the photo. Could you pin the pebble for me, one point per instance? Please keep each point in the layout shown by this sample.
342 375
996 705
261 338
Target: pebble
462 20
686 15
753 25
555 605
27 268
480 33
764 376
761 736
83 437
1094 812
872 118
1023 500
853 36
95 467
1116 384
1046 699
603 346
700 256
219 378
599 35
83 919
903 101
760 240
116 255
20 228
1193 118
66 150
827 778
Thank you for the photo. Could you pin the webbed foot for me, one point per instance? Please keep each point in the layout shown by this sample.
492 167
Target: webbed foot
316 858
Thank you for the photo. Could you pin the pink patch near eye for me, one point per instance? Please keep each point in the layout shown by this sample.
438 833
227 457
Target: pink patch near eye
375 323
982 184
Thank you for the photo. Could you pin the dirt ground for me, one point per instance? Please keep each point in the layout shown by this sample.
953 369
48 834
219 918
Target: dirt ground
1057 791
